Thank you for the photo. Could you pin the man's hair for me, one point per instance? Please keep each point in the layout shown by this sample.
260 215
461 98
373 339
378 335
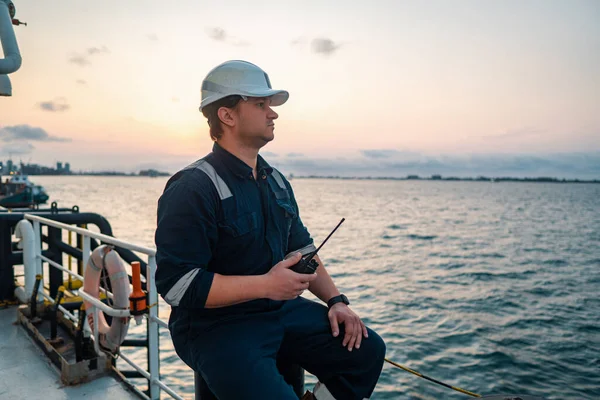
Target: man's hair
211 114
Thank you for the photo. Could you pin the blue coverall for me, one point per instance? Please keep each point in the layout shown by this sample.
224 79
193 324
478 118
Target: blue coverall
214 217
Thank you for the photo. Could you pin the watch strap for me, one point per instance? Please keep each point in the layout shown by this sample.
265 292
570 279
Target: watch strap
338 299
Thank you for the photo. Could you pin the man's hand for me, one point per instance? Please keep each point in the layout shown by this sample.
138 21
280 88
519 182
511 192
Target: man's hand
355 329
285 284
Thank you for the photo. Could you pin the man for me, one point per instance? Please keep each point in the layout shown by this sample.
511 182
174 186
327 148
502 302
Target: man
225 226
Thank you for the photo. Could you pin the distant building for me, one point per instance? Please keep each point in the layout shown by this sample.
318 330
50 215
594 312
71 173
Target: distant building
67 168
9 166
413 177
152 173
59 167
436 177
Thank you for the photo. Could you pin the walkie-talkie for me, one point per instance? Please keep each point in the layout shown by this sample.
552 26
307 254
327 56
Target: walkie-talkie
308 265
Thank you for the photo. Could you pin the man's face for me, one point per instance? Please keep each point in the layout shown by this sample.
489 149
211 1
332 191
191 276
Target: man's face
256 121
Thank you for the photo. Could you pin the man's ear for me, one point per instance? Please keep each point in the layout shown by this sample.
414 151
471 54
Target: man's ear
226 115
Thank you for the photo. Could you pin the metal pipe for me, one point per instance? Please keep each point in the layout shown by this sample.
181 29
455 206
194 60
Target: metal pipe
64 247
90 234
24 231
37 230
153 345
134 343
54 318
103 307
79 336
86 252
12 57
58 266
160 322
7 274
168 390
55 275
144 373
66 312
34 295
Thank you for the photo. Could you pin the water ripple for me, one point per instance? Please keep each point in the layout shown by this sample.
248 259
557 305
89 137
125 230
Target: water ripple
491 287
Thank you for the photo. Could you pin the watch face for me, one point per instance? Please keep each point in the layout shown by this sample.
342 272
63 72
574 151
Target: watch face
11 9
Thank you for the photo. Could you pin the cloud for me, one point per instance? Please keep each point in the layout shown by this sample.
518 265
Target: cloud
391 155
218 34
379 153
268 154
17 148
97 50
175 99
84 59
17 133
399 164
152 37
294 155
81 82
324 46
80 60
57 105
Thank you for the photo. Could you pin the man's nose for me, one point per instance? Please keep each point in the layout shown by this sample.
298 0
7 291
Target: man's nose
272 114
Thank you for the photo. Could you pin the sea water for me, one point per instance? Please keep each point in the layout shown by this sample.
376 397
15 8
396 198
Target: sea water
492 287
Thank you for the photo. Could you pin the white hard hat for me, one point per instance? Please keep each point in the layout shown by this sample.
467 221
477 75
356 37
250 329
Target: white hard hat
241 78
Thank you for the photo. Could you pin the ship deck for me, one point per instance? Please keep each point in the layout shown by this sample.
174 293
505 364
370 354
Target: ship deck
28 374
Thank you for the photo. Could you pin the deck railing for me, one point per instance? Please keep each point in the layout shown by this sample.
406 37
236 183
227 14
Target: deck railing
154 322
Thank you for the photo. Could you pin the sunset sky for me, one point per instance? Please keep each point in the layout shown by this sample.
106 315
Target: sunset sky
381 87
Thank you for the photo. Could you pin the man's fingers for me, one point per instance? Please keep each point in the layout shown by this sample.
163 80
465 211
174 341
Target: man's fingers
335 328
364 329
305 278
302 286
359 335
354 329
292 260
348 335
351 336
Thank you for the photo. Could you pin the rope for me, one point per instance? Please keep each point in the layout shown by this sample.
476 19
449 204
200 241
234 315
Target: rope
432 380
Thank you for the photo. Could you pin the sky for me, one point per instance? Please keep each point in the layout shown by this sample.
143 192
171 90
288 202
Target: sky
382 88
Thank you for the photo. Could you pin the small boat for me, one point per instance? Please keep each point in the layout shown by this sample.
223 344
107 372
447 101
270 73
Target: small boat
19 191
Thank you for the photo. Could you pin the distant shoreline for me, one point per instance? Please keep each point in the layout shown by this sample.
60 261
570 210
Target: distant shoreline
456 179
369 178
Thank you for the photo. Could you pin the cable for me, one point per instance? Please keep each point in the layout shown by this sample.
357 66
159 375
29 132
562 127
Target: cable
412 371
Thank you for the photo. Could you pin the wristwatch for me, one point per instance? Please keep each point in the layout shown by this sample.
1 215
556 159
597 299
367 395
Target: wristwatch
338 299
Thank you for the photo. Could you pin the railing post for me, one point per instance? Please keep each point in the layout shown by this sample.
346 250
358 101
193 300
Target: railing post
37 234
55 275
153 349
7 277
85 253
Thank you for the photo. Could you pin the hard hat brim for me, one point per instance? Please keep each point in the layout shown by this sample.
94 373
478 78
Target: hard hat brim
278 97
